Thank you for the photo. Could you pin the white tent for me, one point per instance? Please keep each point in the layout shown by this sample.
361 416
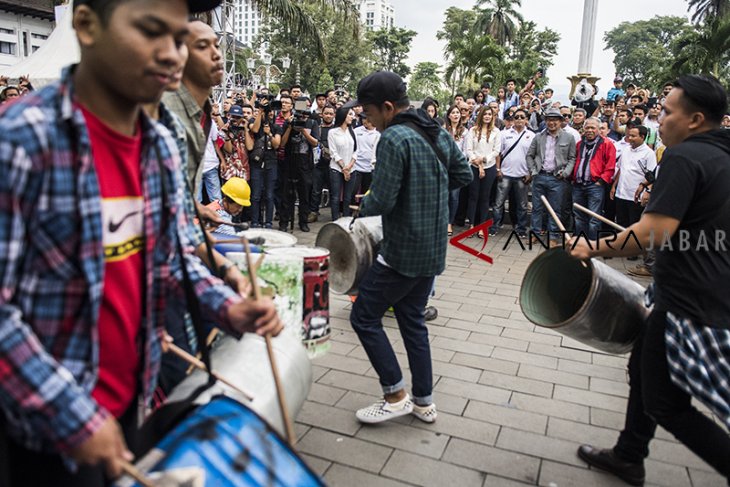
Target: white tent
58 51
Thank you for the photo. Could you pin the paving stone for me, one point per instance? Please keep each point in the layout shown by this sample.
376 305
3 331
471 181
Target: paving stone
342 476
539 446
513 383
478 327
489 311
617 361
341 348
352 382
591 370
551 407
345 450
532 337
553 376
460 427
461 346
486 363
499 341
460 314
702 478
505 415
492 460
300 430
496 481
318 465
579 433
614 388
468 374
608 419
559 352
519 323
661 473
329 418
468 390
448 332
325 394
406 438
552 474
525 358
430 473
588 398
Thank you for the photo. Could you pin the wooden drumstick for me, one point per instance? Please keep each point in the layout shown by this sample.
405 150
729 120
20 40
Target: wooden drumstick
288 425
598 217
199 364
134 472
557 219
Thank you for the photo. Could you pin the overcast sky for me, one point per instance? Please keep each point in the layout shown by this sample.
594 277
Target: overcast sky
564 16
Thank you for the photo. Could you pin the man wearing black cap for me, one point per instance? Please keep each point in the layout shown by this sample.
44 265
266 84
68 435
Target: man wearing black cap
418 164
92 241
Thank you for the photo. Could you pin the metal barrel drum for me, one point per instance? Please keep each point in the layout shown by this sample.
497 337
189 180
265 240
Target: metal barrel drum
268 238
352 246
316 329
594 304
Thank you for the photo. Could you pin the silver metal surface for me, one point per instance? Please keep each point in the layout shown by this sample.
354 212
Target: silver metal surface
594 304
272 238
352 250
246 364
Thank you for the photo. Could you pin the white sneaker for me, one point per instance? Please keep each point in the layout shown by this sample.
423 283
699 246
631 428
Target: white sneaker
427 414
384 411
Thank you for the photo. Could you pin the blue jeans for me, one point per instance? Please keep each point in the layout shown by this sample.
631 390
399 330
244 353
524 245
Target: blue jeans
320 181
212 183
453 204
553 189
504 186
590 196
381 288
263 182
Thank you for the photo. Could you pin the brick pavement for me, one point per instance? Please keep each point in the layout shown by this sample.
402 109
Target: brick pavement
514 401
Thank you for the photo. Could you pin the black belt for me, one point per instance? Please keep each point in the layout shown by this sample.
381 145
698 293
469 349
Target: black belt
547 172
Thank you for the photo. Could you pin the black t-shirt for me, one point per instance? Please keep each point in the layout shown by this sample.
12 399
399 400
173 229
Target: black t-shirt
262 142
693 276
297 143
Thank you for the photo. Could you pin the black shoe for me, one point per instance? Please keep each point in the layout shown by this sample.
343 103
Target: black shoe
631 473
312 217
303 227
283 227
431 313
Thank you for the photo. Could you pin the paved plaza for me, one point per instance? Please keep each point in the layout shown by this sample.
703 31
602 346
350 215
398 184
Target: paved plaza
514 401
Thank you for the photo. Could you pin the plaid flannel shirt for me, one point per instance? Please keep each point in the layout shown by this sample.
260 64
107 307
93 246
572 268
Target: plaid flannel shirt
410 189
52 266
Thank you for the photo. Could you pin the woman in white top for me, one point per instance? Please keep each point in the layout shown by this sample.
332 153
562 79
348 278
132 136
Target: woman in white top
455 127
343 153
482 148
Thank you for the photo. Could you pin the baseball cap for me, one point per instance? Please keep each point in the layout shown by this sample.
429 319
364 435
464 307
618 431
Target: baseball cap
195 6
553 113
379 87
618 79
235 111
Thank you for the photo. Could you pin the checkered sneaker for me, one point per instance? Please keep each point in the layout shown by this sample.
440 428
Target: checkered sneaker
384 411
427 414
699 363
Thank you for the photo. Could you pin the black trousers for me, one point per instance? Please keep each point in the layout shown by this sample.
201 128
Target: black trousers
653 398
627 212
20 467
296 182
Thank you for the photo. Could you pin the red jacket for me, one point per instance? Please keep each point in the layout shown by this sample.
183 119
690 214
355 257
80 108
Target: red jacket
603 163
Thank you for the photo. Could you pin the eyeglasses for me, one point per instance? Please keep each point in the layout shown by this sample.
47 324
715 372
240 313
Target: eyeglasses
567 116
520 117
465 110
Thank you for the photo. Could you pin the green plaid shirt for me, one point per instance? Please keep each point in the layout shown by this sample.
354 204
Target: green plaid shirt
410 189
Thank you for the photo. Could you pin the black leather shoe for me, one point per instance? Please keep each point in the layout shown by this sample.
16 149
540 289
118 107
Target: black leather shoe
431 313
283 227
303 227
631 473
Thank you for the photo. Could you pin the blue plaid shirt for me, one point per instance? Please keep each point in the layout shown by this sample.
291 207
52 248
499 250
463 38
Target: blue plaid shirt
52 266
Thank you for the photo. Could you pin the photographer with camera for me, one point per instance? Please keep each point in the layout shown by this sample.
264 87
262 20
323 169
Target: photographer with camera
237 142
301 136
321 174
263 159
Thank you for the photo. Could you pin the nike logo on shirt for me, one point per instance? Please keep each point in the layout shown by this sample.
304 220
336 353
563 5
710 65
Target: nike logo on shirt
114 226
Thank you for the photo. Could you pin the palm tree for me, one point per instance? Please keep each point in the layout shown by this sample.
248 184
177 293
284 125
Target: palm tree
706 50
708 9
499 19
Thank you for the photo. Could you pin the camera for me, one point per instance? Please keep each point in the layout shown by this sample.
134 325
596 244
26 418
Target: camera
541 71
260 97
339 91
301 113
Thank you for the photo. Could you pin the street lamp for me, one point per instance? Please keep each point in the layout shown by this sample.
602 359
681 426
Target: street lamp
267 59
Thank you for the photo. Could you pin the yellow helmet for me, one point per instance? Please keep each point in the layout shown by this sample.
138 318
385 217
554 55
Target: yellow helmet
238 190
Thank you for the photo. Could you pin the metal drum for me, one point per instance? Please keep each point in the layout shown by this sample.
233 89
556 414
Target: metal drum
245 363
316 296
594 304
265 238
352 250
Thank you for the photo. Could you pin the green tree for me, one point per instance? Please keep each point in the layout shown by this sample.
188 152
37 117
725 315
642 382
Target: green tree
706 50
426 81
458 26
325 82
532 48
499 19
706 10
642 48
390 49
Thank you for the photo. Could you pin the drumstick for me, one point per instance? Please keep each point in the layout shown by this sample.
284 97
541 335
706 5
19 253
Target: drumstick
557 219
197 363
599 217
289 427
134 472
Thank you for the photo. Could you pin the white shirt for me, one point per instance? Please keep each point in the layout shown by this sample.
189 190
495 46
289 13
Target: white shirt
486 147
652 124
210 157
515 164
621 146
576 135
367 141
342 148
633 164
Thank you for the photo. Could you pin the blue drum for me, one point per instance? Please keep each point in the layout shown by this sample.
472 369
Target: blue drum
225 443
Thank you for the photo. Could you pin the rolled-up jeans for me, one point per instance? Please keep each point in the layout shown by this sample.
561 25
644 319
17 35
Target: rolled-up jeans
552 188
504 186
381 288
